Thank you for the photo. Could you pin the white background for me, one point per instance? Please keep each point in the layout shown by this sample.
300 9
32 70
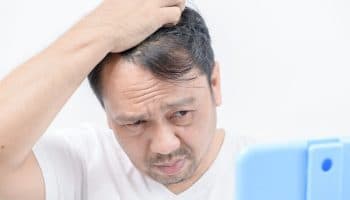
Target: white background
285 64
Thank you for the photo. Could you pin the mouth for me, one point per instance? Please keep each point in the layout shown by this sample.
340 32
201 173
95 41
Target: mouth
171 168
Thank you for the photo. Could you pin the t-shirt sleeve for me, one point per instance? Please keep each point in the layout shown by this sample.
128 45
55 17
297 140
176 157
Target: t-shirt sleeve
62 161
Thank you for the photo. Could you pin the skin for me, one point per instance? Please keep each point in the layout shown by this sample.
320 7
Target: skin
33 93
159 122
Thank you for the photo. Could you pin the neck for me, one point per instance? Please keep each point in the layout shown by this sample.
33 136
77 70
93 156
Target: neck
205 164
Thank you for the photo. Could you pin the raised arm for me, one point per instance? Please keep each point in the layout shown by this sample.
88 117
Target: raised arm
32 94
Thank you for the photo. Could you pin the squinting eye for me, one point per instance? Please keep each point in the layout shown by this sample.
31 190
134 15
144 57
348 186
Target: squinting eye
135 127
181 113
136 123
183 118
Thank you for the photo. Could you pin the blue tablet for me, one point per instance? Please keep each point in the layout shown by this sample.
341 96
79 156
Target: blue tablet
310 170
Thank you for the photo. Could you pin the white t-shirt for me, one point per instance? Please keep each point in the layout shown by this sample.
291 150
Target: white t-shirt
88 164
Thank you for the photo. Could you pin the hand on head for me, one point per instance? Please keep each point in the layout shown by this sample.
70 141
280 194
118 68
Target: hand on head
130 22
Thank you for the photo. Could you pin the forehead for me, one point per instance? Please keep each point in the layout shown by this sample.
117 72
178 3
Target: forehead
126 84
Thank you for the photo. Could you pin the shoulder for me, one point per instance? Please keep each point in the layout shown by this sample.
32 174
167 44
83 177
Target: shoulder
80 138
73 159
84 145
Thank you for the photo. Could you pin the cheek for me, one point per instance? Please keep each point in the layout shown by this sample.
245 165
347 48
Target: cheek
199 135
135 148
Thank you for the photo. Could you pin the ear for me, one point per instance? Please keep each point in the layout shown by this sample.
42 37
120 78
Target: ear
216 84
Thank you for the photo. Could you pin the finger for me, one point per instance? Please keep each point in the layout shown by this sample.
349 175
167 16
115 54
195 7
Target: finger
171 15
172 3
182 6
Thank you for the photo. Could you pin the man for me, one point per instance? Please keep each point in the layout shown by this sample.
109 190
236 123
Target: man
159 96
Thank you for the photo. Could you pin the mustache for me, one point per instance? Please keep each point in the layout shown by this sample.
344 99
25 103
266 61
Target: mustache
161 158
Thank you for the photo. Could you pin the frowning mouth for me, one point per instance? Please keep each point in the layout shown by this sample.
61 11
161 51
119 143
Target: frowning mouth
171 168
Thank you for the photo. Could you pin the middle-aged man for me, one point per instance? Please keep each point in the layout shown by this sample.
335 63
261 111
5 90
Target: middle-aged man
160 98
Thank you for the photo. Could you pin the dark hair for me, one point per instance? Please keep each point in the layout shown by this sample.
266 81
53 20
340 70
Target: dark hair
169 53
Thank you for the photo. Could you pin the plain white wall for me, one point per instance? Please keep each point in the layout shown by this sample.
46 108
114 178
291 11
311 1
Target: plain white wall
285 64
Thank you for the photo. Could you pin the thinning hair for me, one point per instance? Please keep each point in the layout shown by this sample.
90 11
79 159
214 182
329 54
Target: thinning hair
169 53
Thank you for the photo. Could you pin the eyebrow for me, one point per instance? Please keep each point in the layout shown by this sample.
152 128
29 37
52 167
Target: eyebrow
180 102
124 117
129 117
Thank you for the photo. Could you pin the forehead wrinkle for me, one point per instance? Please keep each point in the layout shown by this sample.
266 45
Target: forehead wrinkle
144 87
134 116
144 91
140 86
148 99
127 116
149 94
182 85
168 86
152 96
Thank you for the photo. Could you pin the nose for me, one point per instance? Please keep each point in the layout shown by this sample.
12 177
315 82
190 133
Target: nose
164 140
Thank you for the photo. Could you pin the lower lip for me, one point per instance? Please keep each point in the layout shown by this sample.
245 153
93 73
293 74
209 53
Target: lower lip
173 169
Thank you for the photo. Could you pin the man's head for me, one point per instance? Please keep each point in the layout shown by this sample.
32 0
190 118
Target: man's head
160 99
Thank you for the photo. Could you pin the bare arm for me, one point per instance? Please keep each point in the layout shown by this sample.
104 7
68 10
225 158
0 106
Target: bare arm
32 95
